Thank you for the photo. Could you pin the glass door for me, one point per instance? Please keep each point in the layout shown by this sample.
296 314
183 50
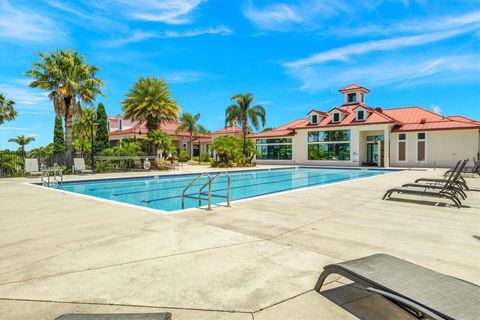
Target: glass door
372 154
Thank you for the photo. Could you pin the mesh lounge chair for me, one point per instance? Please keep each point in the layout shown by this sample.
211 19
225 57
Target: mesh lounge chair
118 316
473 170
31 167
420 291
453 184
443 192
457 180
79 165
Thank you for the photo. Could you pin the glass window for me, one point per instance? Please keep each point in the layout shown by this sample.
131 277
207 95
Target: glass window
421 136
375 138
336 117
402 136
329 151
360 115
352 97
274 152
329 136
274 140
314 118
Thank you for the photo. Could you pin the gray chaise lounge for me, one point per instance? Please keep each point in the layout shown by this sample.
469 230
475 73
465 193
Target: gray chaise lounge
453 183
118 316
445 191
420 291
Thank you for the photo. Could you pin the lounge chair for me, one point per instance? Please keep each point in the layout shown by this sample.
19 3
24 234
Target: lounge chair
420 291
445 191
472 170
453 183
79 165
31 167
146 165
118 316
457 180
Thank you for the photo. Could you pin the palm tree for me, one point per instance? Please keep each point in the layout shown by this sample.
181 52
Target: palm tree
162 141
82 123
22 141
244 114
150 101
188 122
69 80
7 110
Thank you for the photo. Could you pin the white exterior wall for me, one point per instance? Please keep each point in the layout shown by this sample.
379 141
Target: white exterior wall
443 148
358 147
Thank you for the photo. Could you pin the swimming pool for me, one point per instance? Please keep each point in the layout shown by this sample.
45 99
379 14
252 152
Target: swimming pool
164 192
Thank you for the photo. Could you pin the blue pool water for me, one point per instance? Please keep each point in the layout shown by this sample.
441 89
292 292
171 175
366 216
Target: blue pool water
164 192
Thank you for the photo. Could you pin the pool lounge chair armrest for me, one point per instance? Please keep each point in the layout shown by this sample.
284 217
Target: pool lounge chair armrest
417 310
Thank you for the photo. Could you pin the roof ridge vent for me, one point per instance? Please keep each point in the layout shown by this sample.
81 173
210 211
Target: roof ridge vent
378 109
423 120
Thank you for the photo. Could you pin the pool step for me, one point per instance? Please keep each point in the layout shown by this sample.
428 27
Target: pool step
208 194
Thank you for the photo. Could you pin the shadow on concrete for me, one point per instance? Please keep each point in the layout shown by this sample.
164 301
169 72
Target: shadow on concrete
363 304
425 202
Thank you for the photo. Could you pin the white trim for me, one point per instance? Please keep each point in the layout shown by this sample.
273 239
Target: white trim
416 147
398 146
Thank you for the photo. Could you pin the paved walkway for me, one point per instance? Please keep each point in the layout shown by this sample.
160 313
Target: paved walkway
259 259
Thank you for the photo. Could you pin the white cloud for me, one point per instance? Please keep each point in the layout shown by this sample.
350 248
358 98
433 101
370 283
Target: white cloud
220 30
166 11
436 108
26 98
274 17
282 16
138 35
22 25
184 76
391 71
346 52
435 23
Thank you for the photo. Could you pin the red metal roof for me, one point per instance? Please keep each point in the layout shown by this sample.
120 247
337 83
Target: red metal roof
353 87
168 128
229 130
282 131
463 119
375 117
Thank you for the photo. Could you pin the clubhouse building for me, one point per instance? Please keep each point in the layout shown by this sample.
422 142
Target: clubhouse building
355 134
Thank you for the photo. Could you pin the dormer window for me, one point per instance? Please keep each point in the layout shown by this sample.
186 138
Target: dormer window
351 98
336 117
360 115
314 119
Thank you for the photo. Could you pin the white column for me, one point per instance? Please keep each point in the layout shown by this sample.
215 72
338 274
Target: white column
386 147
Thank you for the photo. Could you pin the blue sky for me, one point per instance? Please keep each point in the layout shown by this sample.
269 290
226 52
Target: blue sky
293 55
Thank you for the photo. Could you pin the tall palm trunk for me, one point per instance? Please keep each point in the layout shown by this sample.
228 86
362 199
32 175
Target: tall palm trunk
244 127
191 145
69 101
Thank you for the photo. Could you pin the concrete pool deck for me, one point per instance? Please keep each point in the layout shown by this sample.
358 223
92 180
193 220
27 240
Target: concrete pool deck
260 259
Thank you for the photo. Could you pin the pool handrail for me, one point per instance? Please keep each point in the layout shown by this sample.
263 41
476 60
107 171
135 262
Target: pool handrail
210 195
191 184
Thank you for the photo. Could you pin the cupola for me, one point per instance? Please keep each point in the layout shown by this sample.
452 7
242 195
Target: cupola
354 94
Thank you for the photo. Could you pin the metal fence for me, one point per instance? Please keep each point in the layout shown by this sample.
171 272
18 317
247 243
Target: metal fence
12 164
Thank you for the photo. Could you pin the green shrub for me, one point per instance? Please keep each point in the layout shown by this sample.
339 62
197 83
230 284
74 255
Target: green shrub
230 151
183 156
103 166
205 157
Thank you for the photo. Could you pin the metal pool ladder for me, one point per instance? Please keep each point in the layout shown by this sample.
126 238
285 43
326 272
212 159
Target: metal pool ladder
206 196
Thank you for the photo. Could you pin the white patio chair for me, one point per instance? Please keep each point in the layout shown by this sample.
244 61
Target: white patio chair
31 167
79 165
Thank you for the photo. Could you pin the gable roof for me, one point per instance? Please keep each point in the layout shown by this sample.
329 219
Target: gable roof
229 130
285 130
354 87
